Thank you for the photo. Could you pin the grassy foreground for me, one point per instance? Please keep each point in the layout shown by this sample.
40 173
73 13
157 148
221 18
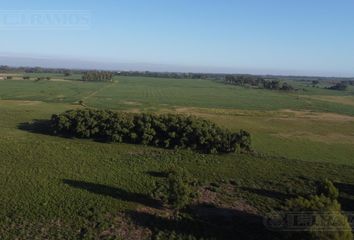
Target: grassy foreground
70 188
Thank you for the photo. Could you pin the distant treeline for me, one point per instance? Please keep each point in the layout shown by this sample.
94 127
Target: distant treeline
97 76
257 81
7 69
341 86
175 75
166 131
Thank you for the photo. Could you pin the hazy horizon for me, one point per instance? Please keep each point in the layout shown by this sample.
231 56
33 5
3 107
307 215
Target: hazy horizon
311 38
17 60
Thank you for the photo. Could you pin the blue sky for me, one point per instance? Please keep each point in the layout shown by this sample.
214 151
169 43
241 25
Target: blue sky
304 37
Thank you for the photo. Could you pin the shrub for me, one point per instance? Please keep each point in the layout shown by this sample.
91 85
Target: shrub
39 79
342 86
328 189
9 77
166 131
178 189
26 77
329 223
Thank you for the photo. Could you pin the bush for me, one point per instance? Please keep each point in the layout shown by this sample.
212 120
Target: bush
330 223
26 77
39 79
328 189
166 131
178 189
342 86
9 77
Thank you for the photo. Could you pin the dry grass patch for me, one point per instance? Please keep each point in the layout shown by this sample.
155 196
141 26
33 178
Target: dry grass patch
20 102
346 100
318 116
131 103
330 138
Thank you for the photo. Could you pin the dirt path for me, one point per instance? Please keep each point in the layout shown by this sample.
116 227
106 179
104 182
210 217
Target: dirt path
94 93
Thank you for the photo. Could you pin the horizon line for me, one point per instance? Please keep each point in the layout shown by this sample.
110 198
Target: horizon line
15 62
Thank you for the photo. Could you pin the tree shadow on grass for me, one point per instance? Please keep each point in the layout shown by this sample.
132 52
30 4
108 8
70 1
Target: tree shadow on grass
40 126
157 174
114 192
345 187
207 222
346 198
270 193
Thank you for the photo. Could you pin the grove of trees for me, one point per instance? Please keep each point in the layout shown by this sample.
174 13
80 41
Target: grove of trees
341 86
166 131
256 81
97 76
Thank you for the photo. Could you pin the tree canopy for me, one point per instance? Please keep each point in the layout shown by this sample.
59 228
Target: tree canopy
257 81
97 76
166 131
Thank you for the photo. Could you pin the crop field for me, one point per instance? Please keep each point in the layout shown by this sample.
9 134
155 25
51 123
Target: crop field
54 187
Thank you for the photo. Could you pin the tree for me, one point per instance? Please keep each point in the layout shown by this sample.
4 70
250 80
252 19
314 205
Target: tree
178 189
165 130
97 76
315 83
329 222
286 87
342 86
244 140
328 189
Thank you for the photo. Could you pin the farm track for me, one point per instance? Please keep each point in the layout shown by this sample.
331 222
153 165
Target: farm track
98 90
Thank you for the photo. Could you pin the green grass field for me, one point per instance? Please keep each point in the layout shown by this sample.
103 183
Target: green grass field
54 187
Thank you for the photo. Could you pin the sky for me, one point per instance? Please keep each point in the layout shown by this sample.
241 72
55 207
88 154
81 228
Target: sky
292 37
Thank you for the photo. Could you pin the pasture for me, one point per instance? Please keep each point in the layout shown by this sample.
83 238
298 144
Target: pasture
54 187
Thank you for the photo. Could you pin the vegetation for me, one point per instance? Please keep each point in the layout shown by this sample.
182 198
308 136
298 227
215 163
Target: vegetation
329 222
315 83
97 76
43 78
73 188
178 190
167 131
249 80
327 189
342 86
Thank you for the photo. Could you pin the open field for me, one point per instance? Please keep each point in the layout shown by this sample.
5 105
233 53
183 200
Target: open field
56 187
294 125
